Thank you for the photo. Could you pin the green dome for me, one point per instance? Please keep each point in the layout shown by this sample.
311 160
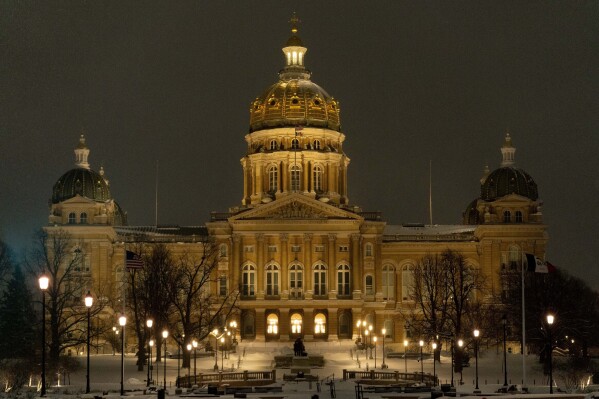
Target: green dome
83 182
508 180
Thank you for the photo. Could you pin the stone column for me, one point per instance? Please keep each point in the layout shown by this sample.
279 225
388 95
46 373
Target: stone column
306 174
284 177
236 249
332 269
260 269
284 324
260 325
284 238
308 325
356 266
258 184
333 324
308 265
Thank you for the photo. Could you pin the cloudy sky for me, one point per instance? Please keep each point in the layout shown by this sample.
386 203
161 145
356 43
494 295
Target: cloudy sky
171 82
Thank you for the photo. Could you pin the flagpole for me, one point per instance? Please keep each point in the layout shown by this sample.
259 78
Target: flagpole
523 327
430 191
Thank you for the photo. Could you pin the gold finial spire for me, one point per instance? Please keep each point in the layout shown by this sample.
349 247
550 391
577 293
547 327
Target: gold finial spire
294 21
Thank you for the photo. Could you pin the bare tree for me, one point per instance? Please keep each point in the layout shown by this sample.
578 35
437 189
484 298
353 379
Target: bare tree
56 254
5 265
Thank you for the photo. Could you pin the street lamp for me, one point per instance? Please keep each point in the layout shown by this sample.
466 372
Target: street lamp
189 348
359 325
434 364
374 339
384 331
151 343
194 343
550 320
149 323
122 322
370 332
476 333
366 343
421 343
215 333
233 325
405 355
504 322
89 301
164 337
222 353
44 281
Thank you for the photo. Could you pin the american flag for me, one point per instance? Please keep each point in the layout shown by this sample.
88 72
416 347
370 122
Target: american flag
133 261
298 130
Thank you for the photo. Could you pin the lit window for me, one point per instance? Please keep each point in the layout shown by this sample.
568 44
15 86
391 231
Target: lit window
72 218
296 323
320 279
272 324
343 280
272 280
320 322
83 218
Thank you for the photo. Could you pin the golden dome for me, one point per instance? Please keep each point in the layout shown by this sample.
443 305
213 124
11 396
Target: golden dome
294 100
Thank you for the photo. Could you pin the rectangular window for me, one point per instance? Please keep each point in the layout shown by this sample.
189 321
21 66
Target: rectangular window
222 286
343 248
272 248
319 248
248 248
296 248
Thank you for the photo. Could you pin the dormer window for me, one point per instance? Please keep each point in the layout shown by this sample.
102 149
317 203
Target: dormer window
507 217
83 218
273 144
72 218
295 144
519 218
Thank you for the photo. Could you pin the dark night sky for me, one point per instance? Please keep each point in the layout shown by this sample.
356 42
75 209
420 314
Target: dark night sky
417 81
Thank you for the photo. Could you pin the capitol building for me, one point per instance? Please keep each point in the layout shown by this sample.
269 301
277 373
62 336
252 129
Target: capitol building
305 261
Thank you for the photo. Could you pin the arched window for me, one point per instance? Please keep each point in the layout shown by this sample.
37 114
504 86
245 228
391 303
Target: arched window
248 320
273 144
368 249
369 285
507 216
83 218
345 325
318 172
272 280
295 144
320 324
343 286
273 176
296 281
519 218
317 144
296 323
295 178
388 282
248 286
407 282
320 279
272 324
72 218
514 257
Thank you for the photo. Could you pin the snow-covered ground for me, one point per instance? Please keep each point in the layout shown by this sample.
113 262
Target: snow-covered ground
105 371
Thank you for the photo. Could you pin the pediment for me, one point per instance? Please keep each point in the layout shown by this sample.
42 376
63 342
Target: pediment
78 199
296 207
513 198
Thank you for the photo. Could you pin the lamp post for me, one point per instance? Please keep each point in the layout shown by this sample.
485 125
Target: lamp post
421 343
149 323
179 355
222 353
374 339
384 331
550 320
233 325
194 343
164 337
44 281
215 333
476 333
89 301
151 343
189 348
460 345
366 345
434 364
452 365
122 322
405 354
504 322
370 333
359 325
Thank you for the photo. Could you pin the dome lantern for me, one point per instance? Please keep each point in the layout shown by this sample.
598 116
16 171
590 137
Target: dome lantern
294 49
508 151
81 154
